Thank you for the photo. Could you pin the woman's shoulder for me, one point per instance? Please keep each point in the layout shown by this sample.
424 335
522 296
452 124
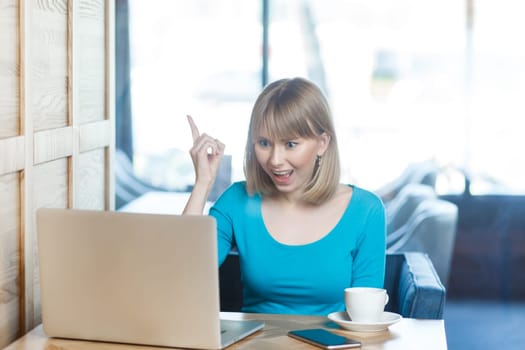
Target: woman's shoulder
235 192
238 187
367 205
236 201
366 197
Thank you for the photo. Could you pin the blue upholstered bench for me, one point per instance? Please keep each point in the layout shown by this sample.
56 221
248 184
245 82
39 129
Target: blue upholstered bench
414 286
411 281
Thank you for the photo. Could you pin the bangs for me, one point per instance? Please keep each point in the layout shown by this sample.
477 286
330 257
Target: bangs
284 124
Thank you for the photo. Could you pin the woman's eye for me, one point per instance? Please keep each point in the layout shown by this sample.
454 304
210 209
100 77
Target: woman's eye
263 143
291 144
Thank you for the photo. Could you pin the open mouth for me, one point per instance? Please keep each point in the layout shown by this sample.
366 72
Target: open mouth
282 177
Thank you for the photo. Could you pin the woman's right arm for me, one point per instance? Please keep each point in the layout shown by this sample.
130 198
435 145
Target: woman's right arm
206 154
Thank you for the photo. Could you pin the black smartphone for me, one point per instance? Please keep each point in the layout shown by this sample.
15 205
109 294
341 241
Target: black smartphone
324 339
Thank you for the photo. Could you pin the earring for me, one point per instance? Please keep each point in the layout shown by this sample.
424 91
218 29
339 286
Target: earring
318 160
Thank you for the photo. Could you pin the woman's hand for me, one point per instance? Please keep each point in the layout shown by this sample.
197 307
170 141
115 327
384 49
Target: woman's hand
206 154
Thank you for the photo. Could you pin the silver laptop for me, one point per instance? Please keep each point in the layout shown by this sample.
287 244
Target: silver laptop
133 278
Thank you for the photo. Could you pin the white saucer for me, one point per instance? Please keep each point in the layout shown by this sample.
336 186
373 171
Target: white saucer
342 319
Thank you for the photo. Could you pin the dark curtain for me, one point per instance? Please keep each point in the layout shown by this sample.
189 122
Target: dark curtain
124 139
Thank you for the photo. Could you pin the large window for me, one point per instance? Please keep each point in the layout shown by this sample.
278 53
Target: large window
407 80
201 58
495 83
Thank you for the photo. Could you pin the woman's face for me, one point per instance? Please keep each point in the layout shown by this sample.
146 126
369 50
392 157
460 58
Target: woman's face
289 163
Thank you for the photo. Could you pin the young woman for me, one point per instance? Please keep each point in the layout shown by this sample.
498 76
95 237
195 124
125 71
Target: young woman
302 236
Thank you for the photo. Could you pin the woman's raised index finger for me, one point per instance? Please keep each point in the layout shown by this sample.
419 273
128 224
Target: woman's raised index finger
194 130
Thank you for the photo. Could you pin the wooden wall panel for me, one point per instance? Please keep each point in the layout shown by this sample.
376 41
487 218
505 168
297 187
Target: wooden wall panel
56 133
53 144
11 161
50 189
50 184
91 180
47 66
9 68
9 258
95 135
92 55
12 150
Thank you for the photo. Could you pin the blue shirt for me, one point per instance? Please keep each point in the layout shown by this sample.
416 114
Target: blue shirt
302 279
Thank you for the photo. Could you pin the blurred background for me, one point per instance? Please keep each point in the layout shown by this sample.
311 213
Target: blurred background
410 82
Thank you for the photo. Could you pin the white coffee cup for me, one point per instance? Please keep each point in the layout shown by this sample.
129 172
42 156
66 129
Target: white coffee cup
364 304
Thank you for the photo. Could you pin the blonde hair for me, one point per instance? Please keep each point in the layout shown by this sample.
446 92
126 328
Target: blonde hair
287 109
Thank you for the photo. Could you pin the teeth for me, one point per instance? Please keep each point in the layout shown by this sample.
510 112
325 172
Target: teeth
281 172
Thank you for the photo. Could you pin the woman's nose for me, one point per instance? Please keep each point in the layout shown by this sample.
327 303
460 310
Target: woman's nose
276 156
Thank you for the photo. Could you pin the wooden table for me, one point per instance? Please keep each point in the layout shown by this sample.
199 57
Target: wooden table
406 334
